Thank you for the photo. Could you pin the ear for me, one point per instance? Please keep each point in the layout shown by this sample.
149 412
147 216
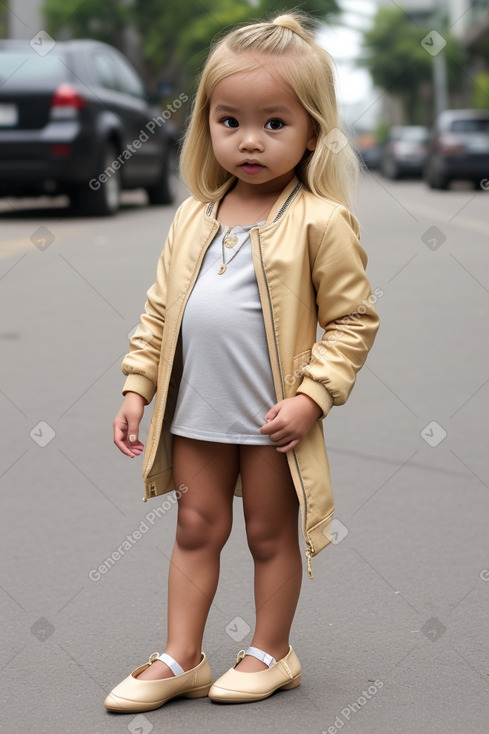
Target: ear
312 142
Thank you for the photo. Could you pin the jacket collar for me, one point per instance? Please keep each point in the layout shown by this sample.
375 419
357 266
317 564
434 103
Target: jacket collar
277 210
283 201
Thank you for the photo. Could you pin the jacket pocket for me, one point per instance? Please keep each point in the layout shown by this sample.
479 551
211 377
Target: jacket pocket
293 379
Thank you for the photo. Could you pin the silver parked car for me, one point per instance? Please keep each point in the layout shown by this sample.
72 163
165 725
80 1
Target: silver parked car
458 148
404 152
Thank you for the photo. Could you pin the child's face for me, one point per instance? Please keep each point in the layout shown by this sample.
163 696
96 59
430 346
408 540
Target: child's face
259 129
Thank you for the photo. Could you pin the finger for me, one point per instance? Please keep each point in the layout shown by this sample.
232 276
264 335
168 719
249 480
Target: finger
288 446
273 412
132 433
273 425
124 449
119 434
281 435
122 443
136 448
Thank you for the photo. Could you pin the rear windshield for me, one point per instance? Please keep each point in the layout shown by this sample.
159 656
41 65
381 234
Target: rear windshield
411 134
470 126
22 68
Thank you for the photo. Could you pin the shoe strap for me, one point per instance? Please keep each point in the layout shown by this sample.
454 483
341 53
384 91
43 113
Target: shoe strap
175 668
261 655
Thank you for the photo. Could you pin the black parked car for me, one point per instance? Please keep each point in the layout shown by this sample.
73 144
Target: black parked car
404 152
78 120
459 148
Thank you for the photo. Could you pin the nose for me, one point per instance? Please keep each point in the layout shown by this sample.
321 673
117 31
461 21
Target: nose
250 140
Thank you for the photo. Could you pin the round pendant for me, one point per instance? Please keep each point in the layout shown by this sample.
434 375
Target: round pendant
230 241
222 269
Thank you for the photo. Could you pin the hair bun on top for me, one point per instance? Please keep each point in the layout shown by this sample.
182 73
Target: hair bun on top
292 22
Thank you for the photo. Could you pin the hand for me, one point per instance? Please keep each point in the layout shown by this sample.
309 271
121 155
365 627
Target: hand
126 425
290 420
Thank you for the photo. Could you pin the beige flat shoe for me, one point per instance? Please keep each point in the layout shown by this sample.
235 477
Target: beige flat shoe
237 687
133 695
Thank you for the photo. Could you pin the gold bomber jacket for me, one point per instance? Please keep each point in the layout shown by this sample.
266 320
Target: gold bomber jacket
310 269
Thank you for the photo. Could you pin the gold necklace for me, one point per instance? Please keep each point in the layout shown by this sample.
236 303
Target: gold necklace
228 242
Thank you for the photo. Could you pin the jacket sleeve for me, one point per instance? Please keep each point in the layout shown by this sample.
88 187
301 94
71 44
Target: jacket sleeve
141 363
346 312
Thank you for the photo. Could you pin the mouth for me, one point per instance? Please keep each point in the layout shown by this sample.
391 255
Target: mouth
251 167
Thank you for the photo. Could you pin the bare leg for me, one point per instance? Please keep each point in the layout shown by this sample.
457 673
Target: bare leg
209 470
271 514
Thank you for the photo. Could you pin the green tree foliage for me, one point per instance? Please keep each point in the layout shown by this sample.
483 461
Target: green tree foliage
480 91
4 19
398 63
102 21
174 36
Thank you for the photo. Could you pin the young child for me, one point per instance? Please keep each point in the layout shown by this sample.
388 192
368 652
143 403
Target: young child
264 250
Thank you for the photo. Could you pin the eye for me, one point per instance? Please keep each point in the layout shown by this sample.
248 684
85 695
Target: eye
274 124
230 122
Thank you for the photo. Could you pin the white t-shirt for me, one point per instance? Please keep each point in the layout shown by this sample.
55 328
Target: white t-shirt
227 385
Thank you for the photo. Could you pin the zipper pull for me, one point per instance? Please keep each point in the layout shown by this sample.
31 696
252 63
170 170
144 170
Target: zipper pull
309 566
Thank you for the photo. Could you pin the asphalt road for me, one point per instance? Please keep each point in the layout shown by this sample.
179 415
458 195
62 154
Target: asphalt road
392 632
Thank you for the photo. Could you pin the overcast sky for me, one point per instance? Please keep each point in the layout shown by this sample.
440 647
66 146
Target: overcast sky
343 42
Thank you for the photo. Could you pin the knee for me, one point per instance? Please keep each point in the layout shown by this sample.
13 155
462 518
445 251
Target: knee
197 529
266 542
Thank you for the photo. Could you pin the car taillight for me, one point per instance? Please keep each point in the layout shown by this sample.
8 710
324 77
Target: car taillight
60 150
450 143
66 102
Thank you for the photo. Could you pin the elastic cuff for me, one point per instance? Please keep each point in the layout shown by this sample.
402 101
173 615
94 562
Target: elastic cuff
318 393
140 384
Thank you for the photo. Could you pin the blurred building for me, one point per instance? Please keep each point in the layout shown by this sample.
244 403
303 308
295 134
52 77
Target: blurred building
469 23
468 19
25 18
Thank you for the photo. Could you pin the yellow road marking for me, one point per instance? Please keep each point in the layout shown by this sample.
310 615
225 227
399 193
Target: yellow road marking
12 247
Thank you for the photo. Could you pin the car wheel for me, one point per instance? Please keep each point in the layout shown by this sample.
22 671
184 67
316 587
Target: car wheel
435 178
390 170
164 191
106 199
439 182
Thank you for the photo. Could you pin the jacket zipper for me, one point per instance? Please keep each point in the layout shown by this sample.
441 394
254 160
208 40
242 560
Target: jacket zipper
150 460
310 547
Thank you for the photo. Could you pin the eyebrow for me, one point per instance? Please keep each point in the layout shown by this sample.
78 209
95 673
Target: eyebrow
268 110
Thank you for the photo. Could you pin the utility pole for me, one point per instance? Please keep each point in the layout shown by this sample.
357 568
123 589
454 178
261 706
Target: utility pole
24 18
439 63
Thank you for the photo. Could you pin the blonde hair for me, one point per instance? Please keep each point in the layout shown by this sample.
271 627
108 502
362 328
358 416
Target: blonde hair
331 170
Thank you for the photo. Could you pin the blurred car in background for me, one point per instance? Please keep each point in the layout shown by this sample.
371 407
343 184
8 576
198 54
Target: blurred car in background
404 152
368 149
78 120
458 148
